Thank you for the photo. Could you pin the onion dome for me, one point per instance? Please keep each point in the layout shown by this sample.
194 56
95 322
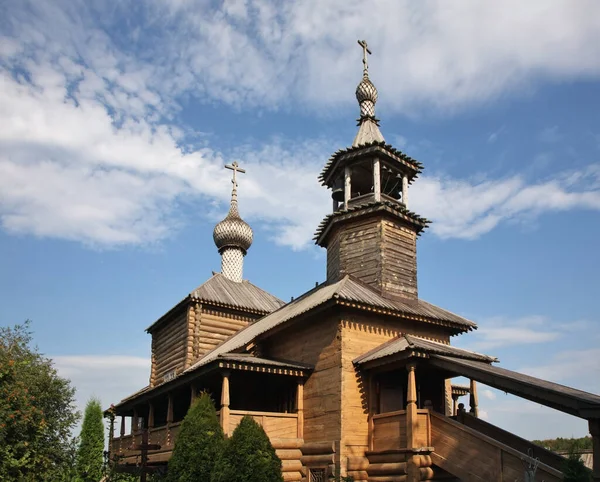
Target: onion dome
366 94
233 231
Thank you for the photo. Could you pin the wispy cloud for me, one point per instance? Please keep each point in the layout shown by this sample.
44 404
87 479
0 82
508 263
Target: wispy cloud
550 135
90 150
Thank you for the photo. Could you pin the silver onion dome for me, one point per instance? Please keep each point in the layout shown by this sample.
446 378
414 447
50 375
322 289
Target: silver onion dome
366 91
233 231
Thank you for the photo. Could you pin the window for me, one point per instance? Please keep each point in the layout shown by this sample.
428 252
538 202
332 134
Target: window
317 475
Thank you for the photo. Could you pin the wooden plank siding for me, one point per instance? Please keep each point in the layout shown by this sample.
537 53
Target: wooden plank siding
316 342
379 251
169 344
360 334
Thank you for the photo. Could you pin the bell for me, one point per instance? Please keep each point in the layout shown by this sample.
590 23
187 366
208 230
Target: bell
338 194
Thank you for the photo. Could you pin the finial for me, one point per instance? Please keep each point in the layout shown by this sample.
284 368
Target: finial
366 94
233 236
365 47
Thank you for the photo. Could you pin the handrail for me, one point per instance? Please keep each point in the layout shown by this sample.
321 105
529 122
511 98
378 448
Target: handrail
505 448
264 414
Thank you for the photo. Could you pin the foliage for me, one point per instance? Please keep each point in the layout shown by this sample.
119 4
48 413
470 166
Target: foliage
575 471
199 443
36 411
248 456
566 444
90 455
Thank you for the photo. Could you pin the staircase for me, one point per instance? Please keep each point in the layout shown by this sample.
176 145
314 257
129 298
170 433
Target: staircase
472 456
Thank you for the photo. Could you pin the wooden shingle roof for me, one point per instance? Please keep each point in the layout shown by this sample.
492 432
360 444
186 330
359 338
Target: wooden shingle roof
411 343
347 291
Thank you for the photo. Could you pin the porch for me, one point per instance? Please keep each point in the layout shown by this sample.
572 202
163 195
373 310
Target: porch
269 391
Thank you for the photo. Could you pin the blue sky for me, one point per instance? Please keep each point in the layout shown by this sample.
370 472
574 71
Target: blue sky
117 119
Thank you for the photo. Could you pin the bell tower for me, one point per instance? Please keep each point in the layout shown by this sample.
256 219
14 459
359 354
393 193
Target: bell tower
371 234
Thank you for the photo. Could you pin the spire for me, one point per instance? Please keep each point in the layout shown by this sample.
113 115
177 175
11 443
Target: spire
233 236
366 94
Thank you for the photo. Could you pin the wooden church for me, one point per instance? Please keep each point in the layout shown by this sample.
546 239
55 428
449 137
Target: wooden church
354 376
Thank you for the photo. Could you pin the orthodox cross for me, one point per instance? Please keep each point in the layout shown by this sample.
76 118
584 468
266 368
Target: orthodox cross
143 448
235 167
365 47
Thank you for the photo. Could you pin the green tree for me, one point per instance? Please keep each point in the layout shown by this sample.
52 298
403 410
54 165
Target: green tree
248 456
199 444
575 471
37 411
90 458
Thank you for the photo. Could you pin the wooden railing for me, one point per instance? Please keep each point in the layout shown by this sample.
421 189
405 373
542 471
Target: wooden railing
545 456
276 425
475 457
389 430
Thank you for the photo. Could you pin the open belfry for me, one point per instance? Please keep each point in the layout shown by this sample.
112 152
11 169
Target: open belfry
353 378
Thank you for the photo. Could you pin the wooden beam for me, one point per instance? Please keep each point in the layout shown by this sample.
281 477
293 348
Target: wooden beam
300 407
347 186
225 404
192 394
413 462
150 415
376 179
372 409
473 399
405 190
122 426
594 425
134 421
170 408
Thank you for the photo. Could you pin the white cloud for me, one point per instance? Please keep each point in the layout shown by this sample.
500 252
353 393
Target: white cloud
489 394
89 149
109 378
500 331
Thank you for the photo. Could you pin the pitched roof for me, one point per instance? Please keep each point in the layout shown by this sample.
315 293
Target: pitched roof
373 148
248 358
346 290
363 208
411 343
221 291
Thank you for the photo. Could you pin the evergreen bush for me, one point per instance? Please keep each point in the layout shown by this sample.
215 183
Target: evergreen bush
248 456
90 458
199 444
575 470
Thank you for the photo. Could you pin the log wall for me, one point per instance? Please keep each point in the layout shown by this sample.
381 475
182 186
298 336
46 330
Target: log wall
169 344
316 342
378 250
359 335
213 327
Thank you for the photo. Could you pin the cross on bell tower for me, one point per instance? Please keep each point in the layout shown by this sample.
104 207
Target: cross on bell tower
371 234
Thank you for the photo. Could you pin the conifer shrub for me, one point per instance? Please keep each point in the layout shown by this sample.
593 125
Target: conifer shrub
248 456
90 454
199 444
574 469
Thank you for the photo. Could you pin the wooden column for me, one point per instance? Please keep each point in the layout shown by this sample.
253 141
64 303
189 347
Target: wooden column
225 404
377 180
372 409
455 404
150 415
335 205
347 186
405 190
473 399
122 431
300 407
413 461
170 409
594 425
134 422
192 394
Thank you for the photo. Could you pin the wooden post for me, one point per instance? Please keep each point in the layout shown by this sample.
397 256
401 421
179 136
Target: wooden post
473 399
347 186
405 190
413 461
335 205
300 407
372 409
170 409
134 422
594 425
455 404
122 426
225 404
192 394
377 179
150 415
